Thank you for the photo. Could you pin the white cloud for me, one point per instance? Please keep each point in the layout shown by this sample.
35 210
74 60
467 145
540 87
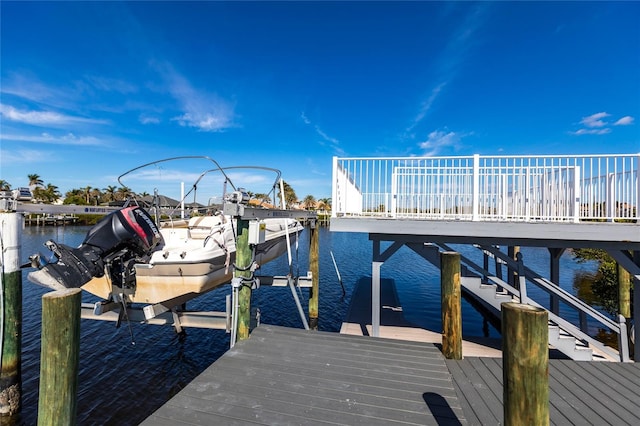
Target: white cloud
592 131
25 156
624 121
46 138
426 106
450 62
333 142
107 84
595 120
206 112
148 120
42 118
439 139
595 124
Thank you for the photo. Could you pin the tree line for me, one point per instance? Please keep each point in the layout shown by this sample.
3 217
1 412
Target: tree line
49 193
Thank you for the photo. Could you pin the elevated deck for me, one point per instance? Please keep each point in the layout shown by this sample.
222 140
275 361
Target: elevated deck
557 202
292 376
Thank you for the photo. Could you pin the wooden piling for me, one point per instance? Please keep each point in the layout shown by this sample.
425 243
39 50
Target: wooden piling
59 358
10 318
525 364
451 305
243 262
315 274
624 291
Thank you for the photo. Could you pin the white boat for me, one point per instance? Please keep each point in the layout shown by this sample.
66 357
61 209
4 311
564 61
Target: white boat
128 258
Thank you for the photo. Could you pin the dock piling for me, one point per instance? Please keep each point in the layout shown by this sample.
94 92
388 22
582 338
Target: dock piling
525 364
60 356
243 262
451 305
10 318
315 274
624 291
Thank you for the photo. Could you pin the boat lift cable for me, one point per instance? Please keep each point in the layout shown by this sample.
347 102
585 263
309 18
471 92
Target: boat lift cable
290 278
335 265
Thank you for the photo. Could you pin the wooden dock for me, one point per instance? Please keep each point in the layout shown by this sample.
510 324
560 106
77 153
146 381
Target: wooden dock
292 376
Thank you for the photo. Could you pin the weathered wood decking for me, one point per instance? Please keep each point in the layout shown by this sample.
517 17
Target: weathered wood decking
580 393
291 376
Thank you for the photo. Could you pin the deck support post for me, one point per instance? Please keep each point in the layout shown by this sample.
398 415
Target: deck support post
10 318
243 262
59 358
513 251
525 364
451 305
554 276
379 257
375 298
315 273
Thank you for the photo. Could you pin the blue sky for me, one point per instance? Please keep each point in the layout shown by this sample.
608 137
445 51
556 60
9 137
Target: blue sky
92 89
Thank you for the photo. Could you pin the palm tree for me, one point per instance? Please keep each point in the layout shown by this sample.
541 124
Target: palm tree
87 193
48 194
96 195
35 181
110 193
309 202
290 197
264 198
324 204
123 193
4 185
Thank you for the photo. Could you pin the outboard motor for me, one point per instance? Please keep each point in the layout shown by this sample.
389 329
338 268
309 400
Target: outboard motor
117 242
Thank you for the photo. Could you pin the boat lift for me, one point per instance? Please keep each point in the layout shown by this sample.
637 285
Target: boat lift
170 314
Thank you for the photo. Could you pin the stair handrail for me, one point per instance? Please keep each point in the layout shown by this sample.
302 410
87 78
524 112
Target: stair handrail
550 287
620 328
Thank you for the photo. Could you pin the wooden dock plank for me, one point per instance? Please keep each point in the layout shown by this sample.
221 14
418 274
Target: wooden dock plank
480 403
475 411
291 376
601 392
579 392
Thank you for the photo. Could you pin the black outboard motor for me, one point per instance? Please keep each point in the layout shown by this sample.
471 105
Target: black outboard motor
119 240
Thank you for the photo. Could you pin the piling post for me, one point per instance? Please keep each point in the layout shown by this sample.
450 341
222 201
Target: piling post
624 291
525 364
451 305
243 262
315 274
59 357
10 317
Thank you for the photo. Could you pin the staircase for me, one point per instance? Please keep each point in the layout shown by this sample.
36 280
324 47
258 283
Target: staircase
491 291
489 296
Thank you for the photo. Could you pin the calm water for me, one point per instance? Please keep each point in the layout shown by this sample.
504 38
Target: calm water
122 384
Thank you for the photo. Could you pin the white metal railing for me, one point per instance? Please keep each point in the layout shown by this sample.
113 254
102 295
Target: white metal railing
526 188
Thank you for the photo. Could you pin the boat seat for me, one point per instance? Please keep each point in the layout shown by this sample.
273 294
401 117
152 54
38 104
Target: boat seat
200 226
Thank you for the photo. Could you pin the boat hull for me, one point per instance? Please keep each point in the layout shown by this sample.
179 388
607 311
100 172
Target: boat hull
165 281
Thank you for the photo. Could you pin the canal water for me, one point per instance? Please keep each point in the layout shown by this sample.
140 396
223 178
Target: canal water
122 383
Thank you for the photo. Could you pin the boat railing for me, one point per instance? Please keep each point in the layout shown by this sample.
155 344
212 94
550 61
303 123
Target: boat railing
489 188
